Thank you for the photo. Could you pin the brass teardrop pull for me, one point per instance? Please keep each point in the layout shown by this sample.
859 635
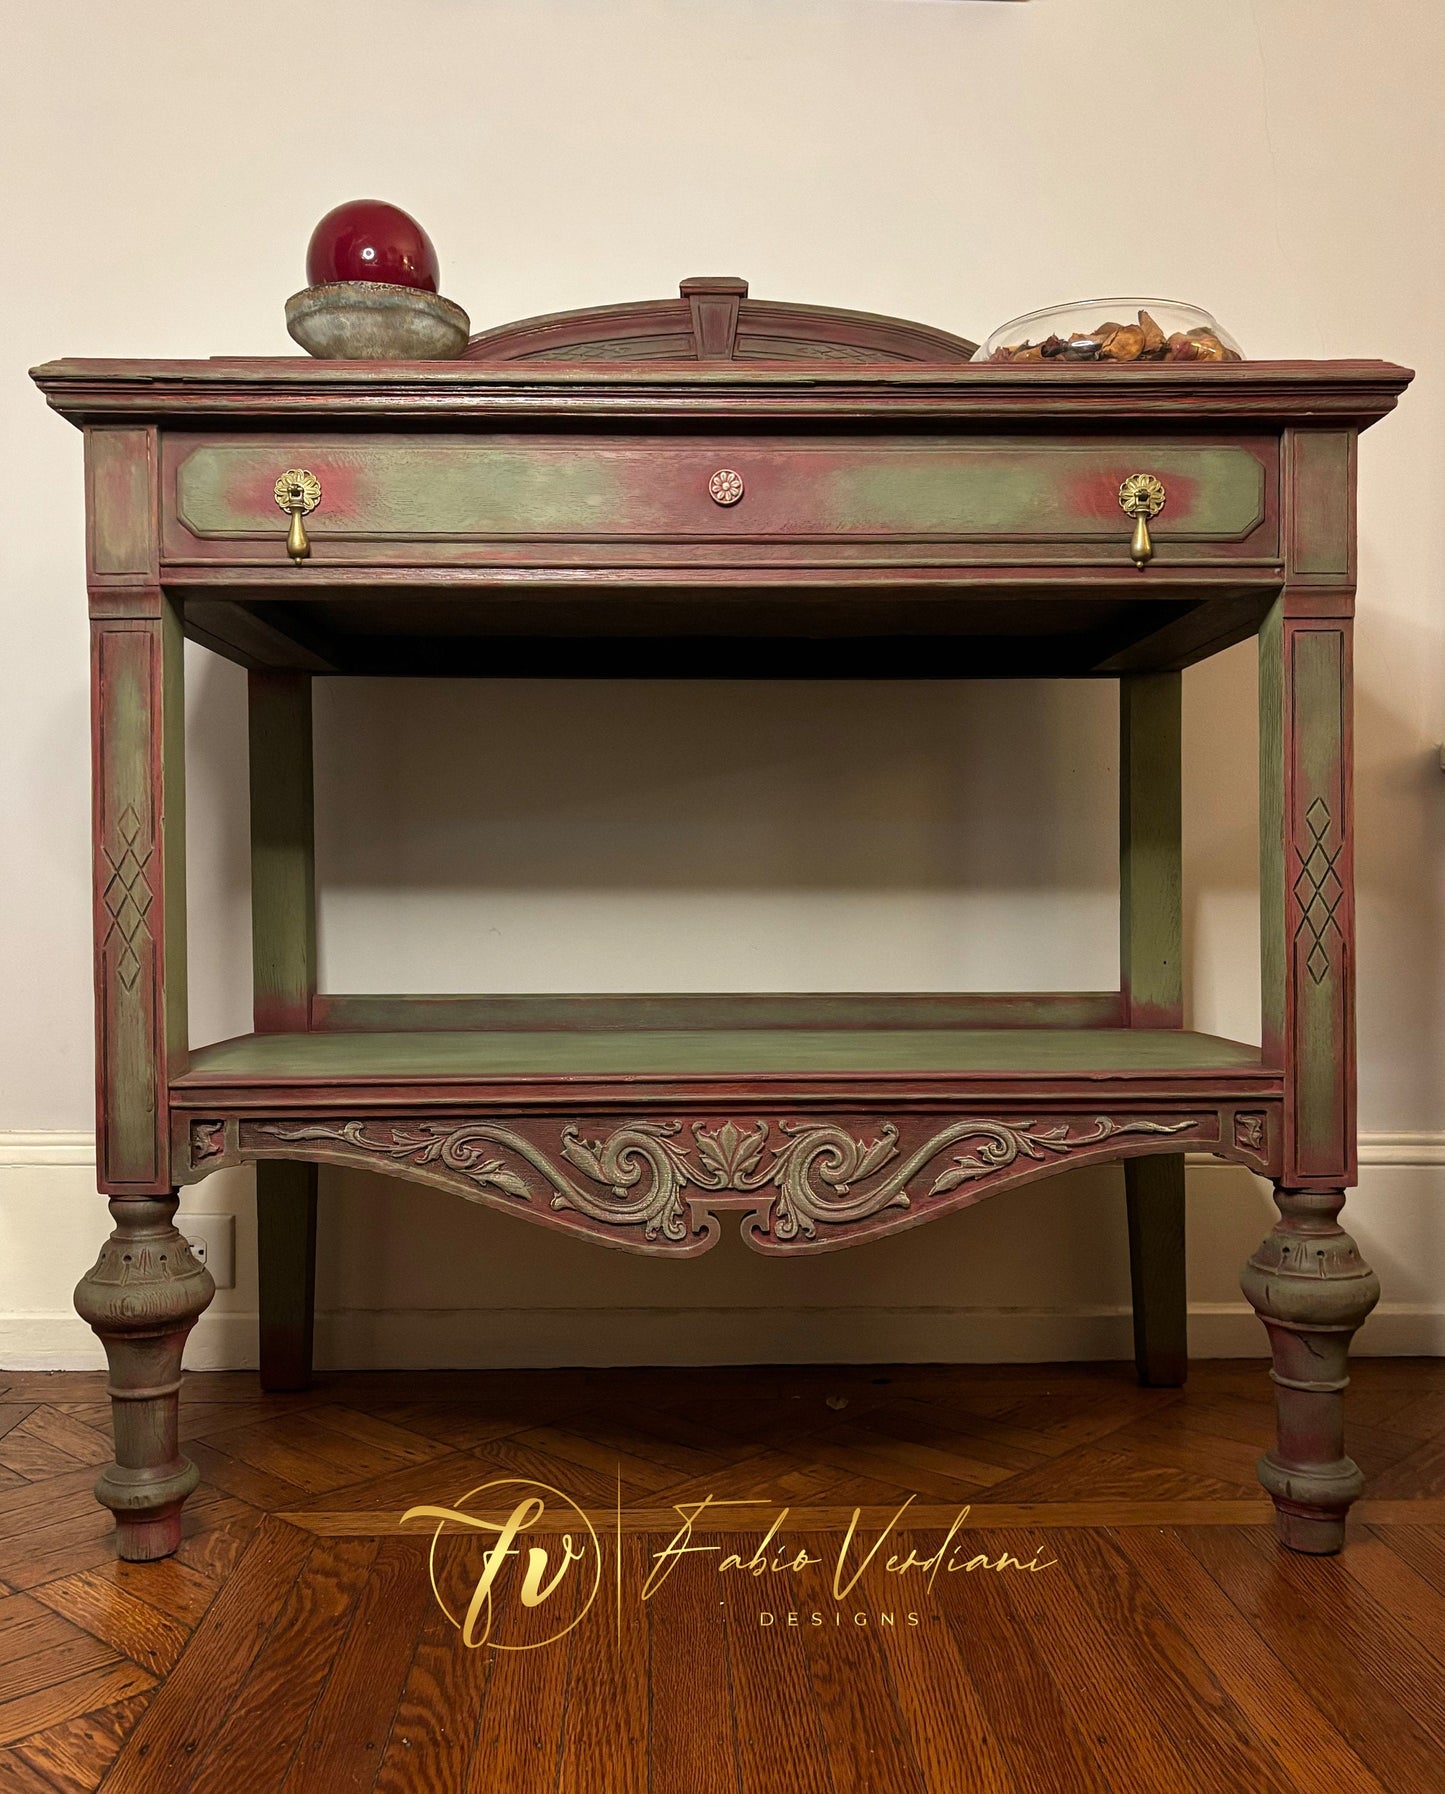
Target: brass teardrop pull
1141 497
298 491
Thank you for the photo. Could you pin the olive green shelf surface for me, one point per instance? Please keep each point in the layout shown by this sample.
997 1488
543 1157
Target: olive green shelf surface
422 1055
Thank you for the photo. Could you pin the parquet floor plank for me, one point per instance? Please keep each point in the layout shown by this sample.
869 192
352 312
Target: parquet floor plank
950 1429
175 1588
27 1625
443 1480
19 1776
1296 1728
953 1743
238 1477
524 1709
76 1753
161 1751
108 1681
214 1553
675 1435
1423 1548
397 1443
12 1413
1377 1686
85 1443
430 1745
258 1739
693 1735
763 1475
605 1457
1421 1473
869 1748
1400 1589
1133 1642
462 1426
349 1726
605 1735
56 1661
1093 1661
780 1738
1094 1474
121 1619
23 1507
293 1453
1040 1729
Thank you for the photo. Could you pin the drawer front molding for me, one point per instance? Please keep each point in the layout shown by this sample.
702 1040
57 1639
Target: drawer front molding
392 495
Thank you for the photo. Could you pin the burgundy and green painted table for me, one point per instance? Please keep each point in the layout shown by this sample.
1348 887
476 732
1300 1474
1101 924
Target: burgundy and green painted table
711 486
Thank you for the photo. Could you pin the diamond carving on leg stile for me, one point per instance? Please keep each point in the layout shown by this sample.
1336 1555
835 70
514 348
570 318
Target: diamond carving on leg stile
1318 890
127 896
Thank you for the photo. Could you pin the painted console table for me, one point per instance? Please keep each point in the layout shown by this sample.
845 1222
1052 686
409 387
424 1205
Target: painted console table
720 487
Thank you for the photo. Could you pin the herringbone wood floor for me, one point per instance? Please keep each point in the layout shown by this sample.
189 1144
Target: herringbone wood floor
292 1643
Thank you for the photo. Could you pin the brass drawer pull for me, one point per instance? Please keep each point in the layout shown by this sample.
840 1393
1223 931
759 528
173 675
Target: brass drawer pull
1141 497
298 491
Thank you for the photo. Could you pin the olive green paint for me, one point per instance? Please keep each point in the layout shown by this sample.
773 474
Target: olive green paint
664 1053
995 486
122 517
409 488
1321 488
129 1151
1151 973
1154 1194
286 1270
173 835
1321 1005
141 999
1273 947
1150 868
588 1014
283 878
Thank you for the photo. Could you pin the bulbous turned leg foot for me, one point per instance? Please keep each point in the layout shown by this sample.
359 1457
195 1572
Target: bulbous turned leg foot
142 1297
1312 1290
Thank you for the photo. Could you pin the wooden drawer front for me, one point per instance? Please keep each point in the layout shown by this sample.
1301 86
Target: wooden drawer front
564 500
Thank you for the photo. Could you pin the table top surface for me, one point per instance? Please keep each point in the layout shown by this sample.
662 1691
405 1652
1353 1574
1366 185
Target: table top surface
87 390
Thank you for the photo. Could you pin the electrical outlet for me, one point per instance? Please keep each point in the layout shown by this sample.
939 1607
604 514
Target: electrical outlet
213 1240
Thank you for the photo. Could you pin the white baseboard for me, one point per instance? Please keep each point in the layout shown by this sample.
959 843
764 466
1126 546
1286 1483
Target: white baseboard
540 1338
42 1174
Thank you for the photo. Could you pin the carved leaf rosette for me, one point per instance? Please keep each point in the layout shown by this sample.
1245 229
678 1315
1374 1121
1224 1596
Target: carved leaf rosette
653 1185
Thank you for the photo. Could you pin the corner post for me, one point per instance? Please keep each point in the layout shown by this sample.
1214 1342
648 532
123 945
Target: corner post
146 1290
283 961
1307 1281
1151 973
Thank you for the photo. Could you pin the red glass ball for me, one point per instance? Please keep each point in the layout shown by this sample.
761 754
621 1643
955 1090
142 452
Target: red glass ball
366 239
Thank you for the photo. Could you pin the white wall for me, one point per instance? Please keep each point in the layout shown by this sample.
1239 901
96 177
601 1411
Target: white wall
957 163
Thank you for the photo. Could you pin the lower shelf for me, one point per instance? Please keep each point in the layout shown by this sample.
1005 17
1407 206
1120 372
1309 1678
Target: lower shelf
721 1053
819 1138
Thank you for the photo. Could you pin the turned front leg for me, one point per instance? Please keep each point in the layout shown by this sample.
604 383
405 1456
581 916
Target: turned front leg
1310 1287
142 1297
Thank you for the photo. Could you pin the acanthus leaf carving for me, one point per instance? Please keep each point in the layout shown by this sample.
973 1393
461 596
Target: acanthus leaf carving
1004 1143
634 1177
456 1148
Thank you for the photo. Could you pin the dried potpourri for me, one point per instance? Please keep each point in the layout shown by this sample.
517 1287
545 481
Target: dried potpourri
1144 341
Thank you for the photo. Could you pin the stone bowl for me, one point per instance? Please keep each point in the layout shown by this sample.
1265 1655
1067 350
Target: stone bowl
364 320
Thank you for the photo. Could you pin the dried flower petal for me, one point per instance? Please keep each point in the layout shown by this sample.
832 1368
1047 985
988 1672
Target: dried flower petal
1153 335
1126 344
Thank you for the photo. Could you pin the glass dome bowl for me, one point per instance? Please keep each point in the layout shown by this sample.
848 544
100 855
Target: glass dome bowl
1111 330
